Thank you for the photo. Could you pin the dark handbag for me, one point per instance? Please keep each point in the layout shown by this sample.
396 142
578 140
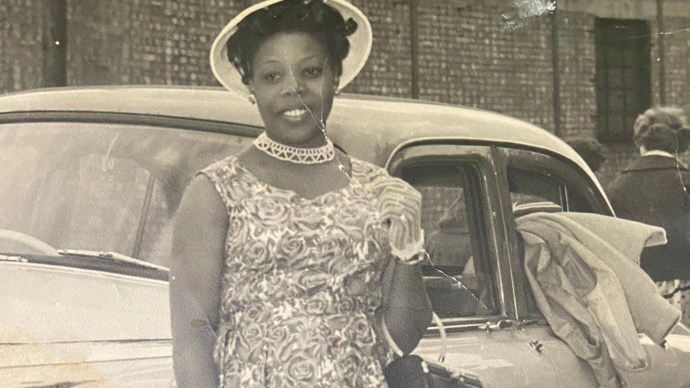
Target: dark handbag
411 371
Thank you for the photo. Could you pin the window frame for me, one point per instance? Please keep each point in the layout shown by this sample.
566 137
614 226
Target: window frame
468 176
481 156
639 43
560 169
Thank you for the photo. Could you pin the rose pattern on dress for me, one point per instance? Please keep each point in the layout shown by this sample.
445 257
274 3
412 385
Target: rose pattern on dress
346 305
292 246
349 368
236 229
251 334
303 218
272 209
257 256
359 331
301 368
309 281
317 305
301 283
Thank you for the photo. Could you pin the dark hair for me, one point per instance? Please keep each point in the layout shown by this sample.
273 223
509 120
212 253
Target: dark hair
311 16
590 150
663 129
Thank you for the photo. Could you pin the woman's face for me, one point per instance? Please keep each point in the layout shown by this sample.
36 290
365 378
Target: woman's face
294 87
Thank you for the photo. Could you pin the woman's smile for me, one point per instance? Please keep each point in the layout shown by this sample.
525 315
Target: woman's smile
295 115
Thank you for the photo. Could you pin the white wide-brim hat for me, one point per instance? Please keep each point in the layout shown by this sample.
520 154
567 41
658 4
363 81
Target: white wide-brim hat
360 46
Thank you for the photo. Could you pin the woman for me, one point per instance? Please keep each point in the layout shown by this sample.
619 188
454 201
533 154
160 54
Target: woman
653 190
292 258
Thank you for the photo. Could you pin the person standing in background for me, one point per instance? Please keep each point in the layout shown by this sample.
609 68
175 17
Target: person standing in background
590 150
654 190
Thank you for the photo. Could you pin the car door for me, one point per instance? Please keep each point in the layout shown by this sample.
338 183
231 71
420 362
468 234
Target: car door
469 280
540 177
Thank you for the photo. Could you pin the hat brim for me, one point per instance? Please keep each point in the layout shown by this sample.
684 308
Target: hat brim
360 46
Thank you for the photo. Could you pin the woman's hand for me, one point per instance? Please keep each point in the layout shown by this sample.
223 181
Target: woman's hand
400 206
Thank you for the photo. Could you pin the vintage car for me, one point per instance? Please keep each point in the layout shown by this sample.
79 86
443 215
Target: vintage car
90 179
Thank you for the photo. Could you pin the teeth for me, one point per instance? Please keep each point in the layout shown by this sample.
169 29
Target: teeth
295 112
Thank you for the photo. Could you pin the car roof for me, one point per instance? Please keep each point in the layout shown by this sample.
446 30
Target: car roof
368 127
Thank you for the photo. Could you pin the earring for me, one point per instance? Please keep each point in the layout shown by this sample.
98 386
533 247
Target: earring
252 98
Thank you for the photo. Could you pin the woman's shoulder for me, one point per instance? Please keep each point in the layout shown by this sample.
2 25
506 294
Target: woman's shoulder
365 171
228 172
229 179
223 167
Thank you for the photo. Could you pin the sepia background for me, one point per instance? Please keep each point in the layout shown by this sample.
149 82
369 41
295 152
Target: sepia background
583 69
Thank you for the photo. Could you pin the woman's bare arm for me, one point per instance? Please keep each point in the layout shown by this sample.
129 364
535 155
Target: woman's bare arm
407 309
197 255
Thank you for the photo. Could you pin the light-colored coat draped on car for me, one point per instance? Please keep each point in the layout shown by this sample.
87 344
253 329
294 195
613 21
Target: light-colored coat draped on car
584 272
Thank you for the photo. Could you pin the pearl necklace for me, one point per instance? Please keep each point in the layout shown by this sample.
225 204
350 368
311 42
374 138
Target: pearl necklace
293 154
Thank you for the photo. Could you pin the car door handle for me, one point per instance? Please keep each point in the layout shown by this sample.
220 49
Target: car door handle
537 346
493 326
506 323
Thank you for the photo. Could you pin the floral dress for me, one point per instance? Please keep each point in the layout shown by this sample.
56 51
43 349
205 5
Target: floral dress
302 283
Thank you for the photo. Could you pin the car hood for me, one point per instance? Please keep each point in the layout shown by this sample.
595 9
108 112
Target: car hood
43 301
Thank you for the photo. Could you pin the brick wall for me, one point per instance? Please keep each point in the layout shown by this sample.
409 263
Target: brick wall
654 55
677 43
144 42
469 57
388 70
21 52
578 67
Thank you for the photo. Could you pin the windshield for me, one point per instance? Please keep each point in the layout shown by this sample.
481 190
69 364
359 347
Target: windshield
97 187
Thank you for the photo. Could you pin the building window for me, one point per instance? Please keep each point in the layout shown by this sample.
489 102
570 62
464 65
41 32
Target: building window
623 76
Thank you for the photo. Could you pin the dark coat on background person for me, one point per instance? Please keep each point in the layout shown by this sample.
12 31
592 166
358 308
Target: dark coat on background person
653 190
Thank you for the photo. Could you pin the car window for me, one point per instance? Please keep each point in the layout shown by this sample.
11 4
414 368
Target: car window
539 182
533 191
459 275
97 187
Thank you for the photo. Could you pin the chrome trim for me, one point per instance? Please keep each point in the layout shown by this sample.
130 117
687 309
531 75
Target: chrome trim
583 166
493 214
112 256
494 155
